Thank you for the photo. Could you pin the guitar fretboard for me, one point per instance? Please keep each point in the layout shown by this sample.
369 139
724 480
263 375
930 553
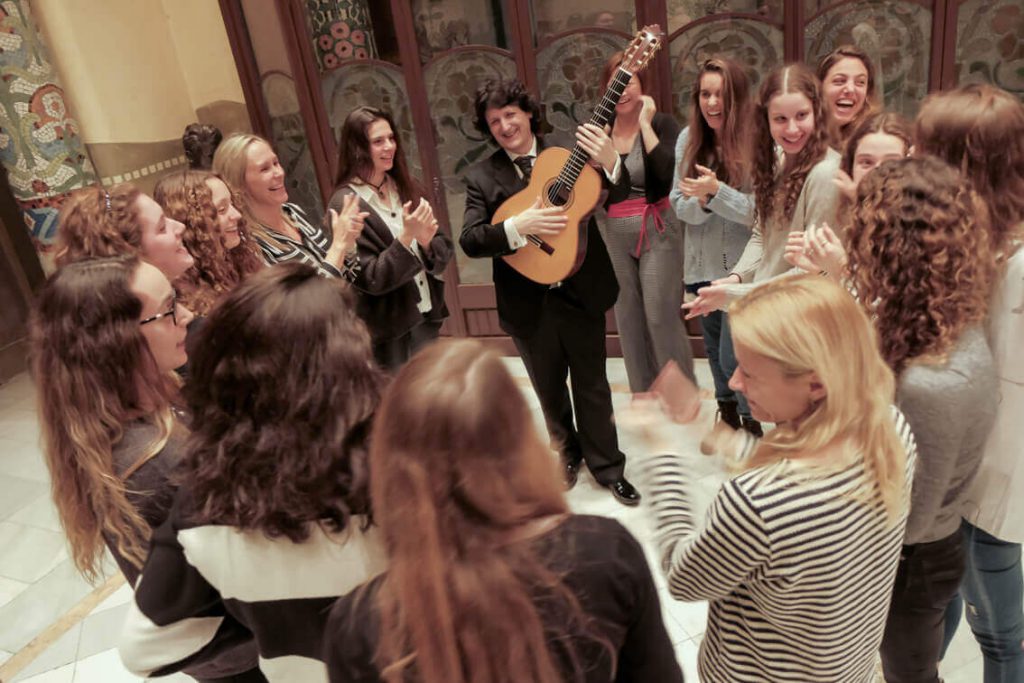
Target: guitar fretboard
559 192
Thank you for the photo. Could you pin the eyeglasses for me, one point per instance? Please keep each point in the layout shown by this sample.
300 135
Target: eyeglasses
173 312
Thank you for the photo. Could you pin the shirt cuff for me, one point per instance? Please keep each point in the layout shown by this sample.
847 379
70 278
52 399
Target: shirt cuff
613 175
515 240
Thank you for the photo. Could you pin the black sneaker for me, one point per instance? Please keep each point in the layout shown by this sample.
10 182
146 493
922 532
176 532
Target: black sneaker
753 427
728 412
572 473
624 492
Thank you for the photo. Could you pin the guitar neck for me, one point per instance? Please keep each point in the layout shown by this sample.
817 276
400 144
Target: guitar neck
579 158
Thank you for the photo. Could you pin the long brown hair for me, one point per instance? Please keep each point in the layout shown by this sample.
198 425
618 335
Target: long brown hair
810 324
354 161
457 470
95 374
887 122
98 222
731 147
185 197
920 257
979 129
769 184
281 390
872 100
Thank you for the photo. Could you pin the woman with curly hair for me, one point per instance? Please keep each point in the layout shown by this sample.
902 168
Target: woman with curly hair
250 167
712 160
402 254
215 234
847 78
489 578
120 220
106 335
980 129
922 265
268 527
797 552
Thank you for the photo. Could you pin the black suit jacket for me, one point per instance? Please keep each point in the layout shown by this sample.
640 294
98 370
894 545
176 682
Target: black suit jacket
520 300
387 295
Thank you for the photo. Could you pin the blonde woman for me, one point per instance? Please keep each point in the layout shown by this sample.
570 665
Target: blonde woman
250 167
799 550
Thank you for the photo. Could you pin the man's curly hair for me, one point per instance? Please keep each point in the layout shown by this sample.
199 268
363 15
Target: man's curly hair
920 257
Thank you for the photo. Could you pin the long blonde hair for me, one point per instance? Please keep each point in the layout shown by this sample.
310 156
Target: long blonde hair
95 374
810 324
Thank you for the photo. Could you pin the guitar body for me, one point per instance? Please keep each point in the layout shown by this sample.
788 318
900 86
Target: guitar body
570 246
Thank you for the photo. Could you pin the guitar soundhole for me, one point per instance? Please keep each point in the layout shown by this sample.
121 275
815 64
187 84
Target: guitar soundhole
558 193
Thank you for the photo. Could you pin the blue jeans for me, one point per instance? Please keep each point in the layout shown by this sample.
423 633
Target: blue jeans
718 345
993 589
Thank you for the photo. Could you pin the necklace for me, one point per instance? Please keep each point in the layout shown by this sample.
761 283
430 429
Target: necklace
379 188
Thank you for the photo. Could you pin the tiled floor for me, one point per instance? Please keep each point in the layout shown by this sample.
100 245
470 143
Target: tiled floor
38 584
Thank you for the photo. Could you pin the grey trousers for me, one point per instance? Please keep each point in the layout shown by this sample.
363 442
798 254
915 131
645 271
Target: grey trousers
650 293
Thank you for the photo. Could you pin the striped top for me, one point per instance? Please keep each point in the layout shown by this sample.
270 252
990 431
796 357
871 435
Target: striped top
311 250
205 587
797 569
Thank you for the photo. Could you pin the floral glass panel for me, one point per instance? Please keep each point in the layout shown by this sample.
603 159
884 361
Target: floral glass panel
441 26
754 45
683 12
990 44
341 30
552 17
451 83
896 35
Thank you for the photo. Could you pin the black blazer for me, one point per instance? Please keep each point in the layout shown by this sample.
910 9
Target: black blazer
387 295
659 163
520 300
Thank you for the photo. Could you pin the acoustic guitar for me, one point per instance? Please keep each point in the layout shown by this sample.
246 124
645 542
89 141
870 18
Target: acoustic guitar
563 178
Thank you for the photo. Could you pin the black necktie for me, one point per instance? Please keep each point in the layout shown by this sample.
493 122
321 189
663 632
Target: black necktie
525 164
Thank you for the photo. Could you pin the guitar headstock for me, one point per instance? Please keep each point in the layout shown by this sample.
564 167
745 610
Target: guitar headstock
642 48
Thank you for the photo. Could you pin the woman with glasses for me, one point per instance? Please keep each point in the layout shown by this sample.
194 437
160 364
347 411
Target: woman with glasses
107 334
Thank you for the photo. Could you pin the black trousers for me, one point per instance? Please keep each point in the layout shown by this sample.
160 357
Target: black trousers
928 577
393 353
569 342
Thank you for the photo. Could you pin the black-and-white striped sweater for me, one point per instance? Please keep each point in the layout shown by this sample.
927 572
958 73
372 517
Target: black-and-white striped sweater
797 569
204 587
311 250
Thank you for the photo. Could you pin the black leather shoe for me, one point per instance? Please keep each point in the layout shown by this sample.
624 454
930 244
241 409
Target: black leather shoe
753 426
728 412
572 473
624 492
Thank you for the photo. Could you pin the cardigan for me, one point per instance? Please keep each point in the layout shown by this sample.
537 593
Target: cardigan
715 234
658 163
797 568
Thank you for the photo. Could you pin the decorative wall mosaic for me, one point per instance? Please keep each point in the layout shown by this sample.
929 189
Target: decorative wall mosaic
40 145
990 43
897 36
341 30
754 45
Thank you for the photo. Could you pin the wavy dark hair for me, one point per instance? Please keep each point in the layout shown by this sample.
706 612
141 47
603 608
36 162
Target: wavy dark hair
282 388
770 184
354 160
920 257
200 141
872 101
498 93
185 197
731 147
94 374
979 129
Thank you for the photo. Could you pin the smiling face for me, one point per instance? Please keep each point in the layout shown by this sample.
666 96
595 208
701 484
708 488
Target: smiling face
165 336
161 239
510 127
710 98
383 146
791 120
630 100
228 216
845 89
264 176
874 149
773 395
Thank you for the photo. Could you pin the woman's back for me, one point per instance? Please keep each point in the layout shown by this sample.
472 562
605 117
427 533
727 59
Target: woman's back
600 563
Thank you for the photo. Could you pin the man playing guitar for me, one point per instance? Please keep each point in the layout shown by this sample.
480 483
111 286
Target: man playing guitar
558 329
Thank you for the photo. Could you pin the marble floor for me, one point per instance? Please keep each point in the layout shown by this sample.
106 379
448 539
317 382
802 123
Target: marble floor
39 586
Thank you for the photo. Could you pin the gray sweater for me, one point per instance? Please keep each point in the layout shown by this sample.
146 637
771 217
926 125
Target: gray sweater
951 408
